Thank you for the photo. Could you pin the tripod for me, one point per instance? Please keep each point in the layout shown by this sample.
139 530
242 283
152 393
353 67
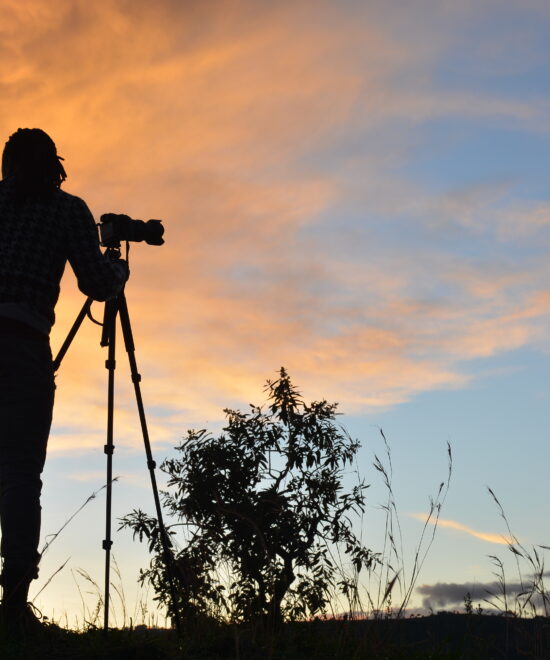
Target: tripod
113 308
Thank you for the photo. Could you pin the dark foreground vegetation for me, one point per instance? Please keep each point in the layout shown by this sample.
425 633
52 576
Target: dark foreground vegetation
445 636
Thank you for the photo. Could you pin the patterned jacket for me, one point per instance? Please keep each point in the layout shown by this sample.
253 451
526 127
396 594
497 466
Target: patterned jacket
37 237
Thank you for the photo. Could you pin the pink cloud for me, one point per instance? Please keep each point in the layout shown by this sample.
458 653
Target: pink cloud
459 527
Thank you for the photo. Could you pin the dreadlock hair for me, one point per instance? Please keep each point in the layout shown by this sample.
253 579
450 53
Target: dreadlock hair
30 158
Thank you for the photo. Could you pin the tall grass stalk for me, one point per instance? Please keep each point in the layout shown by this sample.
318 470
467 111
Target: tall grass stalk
533 599
392 569
50 538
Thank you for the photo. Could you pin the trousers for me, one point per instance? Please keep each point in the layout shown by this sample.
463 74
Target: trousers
26 405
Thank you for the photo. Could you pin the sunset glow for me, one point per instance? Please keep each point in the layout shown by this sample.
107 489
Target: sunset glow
357 191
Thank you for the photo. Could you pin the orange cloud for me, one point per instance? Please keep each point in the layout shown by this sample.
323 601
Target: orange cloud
452 524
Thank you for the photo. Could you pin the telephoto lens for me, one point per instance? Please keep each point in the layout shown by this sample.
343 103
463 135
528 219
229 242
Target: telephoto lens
116 227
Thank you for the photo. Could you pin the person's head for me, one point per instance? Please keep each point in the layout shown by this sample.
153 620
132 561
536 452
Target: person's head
30 158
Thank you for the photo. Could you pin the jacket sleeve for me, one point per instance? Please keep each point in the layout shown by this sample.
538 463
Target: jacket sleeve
97 276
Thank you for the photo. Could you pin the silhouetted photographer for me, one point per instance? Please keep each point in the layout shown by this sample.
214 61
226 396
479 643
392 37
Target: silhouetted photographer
41 228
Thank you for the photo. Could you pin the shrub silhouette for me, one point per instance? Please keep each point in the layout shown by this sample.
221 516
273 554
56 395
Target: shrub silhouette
265 501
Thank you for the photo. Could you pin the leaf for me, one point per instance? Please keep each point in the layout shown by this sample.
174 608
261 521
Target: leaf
389 587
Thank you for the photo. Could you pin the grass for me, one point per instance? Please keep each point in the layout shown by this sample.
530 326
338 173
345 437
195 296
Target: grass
533 599
450 636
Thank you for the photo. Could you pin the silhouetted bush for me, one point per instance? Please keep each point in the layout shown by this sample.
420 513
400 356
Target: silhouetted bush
264 511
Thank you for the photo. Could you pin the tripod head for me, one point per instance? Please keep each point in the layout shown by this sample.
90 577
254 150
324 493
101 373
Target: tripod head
114 254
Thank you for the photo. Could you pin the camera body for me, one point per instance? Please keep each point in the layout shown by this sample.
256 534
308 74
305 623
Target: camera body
116 227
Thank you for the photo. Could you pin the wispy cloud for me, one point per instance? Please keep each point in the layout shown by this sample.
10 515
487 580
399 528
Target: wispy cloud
459 527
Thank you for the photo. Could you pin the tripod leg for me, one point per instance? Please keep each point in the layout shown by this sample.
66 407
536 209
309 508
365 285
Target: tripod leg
109 338
136 379
72 332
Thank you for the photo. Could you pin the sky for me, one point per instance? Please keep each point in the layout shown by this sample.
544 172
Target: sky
357 191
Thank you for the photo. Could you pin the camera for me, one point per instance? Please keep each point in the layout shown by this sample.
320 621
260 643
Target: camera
115 227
